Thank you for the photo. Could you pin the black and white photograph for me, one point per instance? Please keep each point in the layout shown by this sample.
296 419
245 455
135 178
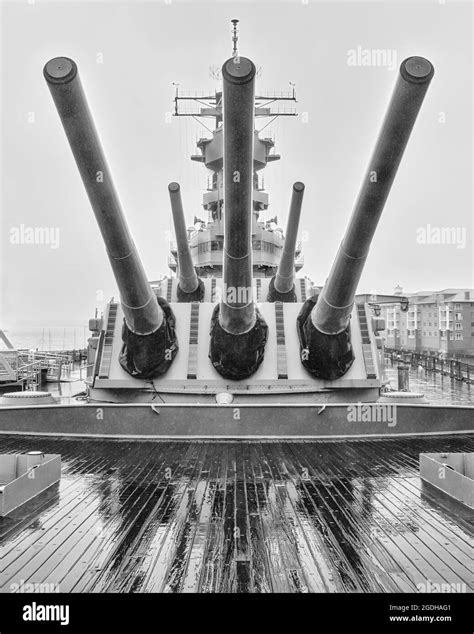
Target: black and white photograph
236 316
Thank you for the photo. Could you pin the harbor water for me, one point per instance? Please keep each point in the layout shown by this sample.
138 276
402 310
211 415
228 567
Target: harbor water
436 387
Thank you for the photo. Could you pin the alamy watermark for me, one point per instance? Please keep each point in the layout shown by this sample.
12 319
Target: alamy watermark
442 235
235 294
25 586
375 57
35 235
429 586
372 413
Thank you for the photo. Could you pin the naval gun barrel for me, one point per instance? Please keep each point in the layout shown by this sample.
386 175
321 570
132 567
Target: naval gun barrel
190 287
282 286
142 312
238 332
148 334
331 314
237 310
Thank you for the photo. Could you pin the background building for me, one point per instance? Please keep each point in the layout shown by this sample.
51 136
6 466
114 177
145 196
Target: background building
440 322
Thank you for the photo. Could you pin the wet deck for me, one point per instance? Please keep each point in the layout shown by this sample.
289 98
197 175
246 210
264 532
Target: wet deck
237 517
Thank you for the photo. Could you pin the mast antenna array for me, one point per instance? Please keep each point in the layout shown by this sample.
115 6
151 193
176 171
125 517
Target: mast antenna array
235 37
210 105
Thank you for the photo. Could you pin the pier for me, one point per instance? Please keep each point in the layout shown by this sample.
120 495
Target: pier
454 368
29 369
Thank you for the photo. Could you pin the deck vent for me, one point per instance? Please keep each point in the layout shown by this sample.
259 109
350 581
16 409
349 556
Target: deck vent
193 341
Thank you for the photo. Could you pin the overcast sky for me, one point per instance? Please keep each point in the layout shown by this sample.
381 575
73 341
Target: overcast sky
129 53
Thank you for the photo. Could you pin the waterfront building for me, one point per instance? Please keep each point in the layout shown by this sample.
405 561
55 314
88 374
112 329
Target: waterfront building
438 322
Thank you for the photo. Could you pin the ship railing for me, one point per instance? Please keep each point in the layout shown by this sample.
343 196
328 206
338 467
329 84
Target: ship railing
57 369
270 112
57 365
191 111
29 374
86 371
282 94
47 358
196 94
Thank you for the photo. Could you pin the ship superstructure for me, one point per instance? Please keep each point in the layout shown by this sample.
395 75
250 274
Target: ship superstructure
206 237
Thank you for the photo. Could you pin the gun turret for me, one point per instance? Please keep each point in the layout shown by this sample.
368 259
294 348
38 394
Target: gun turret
238 331
148 333
282 286
190 287
325 341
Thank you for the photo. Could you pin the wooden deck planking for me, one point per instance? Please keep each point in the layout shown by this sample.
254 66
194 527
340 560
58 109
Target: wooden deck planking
415 526
237 517
135 498
25 541
261 581
286 516
22 516
198 518
60 533
408 537
212 562
421 517
296 471
187 519
124 569
225 581
342 529
156 551
271 516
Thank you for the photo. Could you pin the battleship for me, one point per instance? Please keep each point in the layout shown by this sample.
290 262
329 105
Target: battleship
272 458
233 343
